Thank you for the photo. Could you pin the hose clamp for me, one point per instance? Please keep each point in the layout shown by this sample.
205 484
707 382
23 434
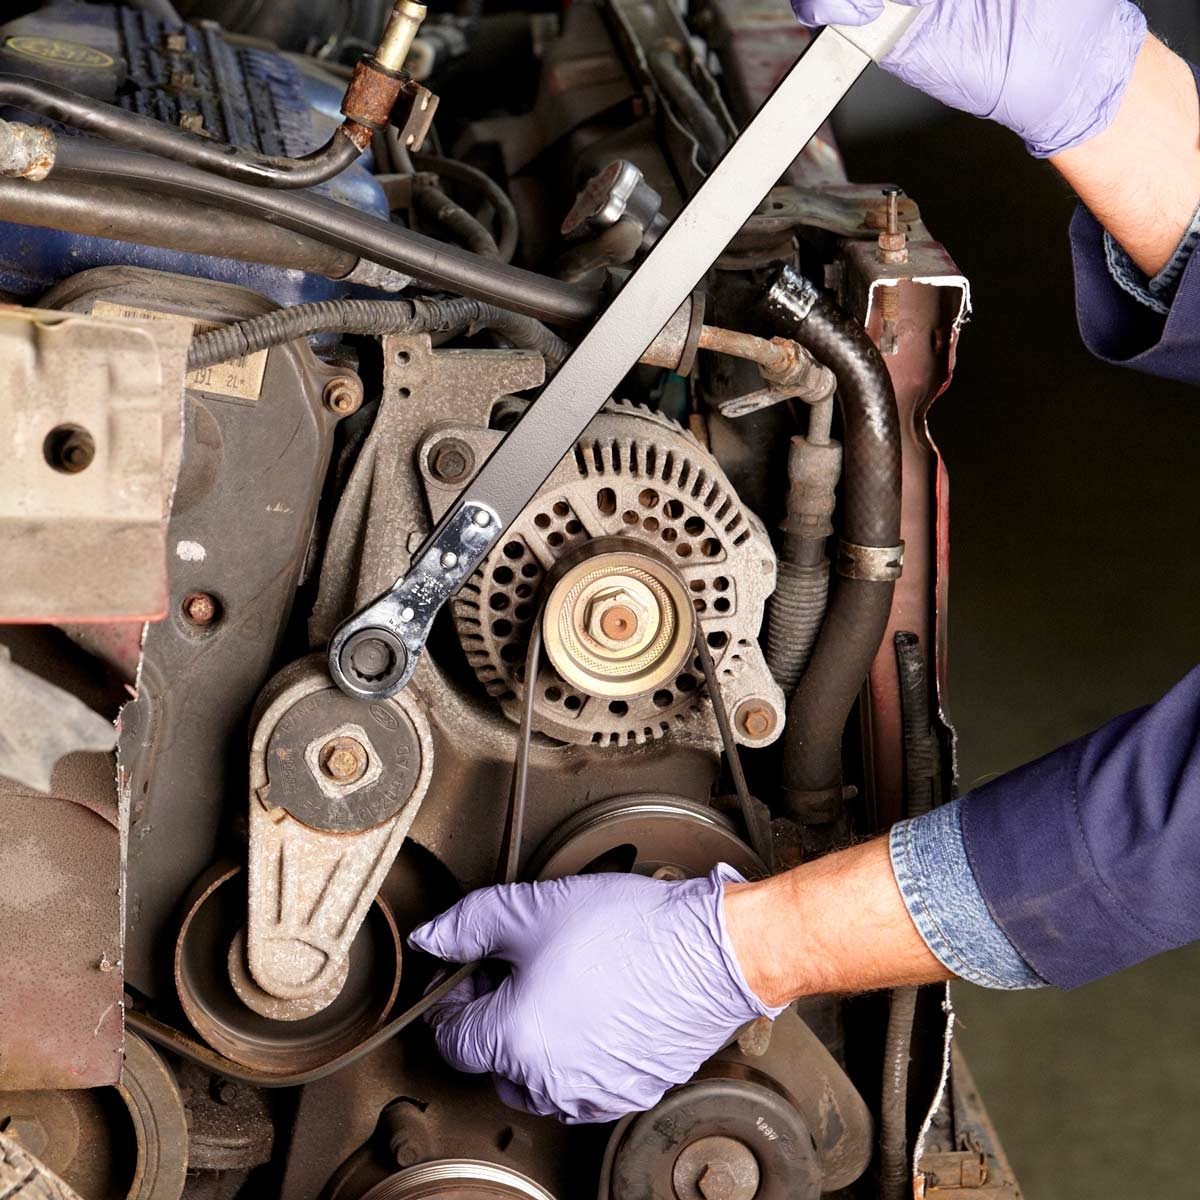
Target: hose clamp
792 295
876 564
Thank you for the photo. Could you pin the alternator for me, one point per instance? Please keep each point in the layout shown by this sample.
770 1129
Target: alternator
633 526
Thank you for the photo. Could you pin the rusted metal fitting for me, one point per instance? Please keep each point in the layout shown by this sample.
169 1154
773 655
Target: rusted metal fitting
451 460
200 608
369 99
343 395
26 151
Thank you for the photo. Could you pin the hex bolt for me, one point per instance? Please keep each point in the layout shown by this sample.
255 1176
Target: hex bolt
224 1091
451 460
755 719
343 759
370 655
199 608
344 395
716 1182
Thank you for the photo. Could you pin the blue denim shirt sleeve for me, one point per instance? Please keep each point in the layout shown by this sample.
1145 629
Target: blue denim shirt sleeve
1157 294
935 879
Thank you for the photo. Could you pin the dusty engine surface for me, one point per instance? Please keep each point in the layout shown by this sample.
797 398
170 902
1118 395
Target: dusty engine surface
712 634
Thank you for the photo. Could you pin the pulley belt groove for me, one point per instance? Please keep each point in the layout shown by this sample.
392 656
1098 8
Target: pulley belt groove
401 618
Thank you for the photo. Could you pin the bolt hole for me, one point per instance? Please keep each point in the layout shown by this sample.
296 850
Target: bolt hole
663 698
69 449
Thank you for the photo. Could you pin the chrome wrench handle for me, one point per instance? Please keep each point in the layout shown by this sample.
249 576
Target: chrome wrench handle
373 654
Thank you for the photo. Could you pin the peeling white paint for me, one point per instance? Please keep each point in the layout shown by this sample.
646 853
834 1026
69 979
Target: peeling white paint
190 551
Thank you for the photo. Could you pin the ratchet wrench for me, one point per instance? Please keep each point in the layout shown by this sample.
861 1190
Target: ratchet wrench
373 654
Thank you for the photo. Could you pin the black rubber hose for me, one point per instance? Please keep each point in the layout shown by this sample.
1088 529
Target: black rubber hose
137 217
691 106
895 1178
372 317
436 263
487 187
922 792
429 200
131 129
857 615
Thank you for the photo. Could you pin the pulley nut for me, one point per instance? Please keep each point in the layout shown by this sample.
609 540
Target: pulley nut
614 615
344 395
716 1182
343 759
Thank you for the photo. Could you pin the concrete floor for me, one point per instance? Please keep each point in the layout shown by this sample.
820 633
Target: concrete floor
1075 575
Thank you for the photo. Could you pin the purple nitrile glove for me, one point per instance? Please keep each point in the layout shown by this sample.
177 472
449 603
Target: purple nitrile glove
619 988
1053 71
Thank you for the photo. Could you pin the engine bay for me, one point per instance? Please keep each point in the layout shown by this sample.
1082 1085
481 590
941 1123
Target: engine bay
239 413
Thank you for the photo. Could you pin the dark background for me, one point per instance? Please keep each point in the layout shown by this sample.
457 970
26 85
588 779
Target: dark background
1076 568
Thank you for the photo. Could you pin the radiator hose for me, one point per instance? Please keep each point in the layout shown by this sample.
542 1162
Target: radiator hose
868 559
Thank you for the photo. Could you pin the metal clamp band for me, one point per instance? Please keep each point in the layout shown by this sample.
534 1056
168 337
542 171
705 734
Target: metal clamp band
876 564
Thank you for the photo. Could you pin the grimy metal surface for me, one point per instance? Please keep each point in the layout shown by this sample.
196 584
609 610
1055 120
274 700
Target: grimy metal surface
521 463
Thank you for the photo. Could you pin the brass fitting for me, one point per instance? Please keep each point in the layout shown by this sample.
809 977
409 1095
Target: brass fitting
399 34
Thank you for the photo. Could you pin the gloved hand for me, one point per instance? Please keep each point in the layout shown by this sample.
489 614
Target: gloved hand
1053 71
619 988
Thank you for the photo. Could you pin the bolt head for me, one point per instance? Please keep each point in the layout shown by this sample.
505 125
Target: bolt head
615 616
343 395
755 719
451 460
371 655
716 1182
343 759
199 608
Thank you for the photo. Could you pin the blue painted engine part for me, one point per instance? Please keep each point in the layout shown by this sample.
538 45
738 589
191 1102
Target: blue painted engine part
190 77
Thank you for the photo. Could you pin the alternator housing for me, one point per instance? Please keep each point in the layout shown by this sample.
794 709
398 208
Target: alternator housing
638 477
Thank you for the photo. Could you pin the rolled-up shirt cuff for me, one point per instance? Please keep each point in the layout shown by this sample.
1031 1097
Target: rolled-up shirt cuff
1157 293
943 899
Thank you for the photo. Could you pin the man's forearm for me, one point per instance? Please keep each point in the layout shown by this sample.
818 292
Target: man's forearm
1141 176
838 924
